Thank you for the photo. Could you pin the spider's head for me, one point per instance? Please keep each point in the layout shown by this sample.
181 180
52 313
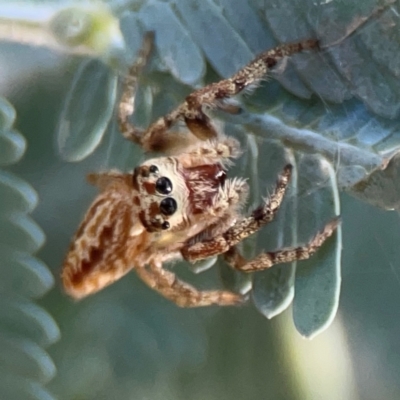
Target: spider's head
162 194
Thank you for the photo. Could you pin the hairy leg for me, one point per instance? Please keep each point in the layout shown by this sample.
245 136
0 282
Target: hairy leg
103 180
170 142
221 150
243 228
234 258
268 259
181 293
155 138
230 197
191 110
127 103
222 213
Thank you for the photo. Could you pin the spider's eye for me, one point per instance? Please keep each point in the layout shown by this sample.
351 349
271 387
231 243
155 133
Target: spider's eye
163 185
165 225
168 206
153 169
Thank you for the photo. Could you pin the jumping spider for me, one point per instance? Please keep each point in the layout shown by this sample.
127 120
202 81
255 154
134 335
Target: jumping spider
180 206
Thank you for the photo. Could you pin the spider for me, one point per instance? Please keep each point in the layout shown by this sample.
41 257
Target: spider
181 205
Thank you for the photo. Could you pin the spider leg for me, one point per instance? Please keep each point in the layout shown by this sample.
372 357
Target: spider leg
158 141
222 213
126 105
210 152
230 197
243 228
268 259
234 258
106 178
191 110
183 294
155 138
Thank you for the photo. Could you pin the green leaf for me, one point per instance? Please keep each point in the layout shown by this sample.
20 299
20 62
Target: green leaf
22 232
25 328
24 357
16 194
87 110
317 284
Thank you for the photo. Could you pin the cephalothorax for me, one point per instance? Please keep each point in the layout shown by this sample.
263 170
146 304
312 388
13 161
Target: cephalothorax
180 206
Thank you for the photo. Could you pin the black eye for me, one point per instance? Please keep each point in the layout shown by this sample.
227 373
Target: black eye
165 225
153 169
163 185
168 206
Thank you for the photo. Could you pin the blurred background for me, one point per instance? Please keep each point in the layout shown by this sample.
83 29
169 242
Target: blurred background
333 114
